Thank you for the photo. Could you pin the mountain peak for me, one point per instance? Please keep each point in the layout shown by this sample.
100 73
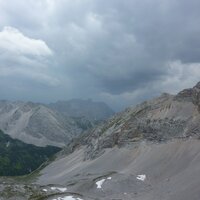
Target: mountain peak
190 94
197 85
83 108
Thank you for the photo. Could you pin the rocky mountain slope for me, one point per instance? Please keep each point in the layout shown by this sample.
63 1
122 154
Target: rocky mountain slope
36 124
159 120
150 151
93 111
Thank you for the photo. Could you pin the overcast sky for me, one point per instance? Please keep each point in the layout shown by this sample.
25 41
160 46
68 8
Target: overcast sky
117 51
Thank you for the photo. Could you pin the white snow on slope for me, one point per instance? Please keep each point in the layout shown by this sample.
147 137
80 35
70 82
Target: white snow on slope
68 198
141 177
59 189
100 183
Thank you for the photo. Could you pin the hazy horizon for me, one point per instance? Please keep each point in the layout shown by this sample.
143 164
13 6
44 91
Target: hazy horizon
118 52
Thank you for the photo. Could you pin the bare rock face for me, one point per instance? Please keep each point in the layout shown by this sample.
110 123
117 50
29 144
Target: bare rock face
36 124
191 94
161 119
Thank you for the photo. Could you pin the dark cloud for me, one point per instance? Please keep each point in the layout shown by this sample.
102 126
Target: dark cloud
118 51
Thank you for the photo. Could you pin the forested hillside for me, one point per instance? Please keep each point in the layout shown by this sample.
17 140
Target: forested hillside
18 158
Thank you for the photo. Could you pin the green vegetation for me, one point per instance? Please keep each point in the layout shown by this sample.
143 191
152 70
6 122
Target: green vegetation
18 158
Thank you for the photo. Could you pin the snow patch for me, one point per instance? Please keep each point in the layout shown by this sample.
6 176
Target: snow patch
45 190
68 198
141 177
61 189
100 183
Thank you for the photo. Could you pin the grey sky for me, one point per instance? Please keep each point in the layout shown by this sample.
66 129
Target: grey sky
120 52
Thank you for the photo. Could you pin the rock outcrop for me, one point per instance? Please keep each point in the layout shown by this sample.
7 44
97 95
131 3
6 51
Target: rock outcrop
161 119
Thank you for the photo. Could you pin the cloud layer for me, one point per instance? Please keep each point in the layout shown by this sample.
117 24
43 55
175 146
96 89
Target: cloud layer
14 42
121 52
24 58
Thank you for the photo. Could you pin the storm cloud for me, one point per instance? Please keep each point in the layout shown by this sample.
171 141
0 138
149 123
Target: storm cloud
120 52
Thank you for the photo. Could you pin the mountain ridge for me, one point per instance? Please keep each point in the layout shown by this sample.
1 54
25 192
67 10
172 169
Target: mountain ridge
91 110
41 125
160 119
35 123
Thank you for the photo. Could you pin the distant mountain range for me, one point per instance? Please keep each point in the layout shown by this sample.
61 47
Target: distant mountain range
43 125
93 111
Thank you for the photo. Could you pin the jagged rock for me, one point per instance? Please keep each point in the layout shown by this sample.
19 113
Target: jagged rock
191 94
161 119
